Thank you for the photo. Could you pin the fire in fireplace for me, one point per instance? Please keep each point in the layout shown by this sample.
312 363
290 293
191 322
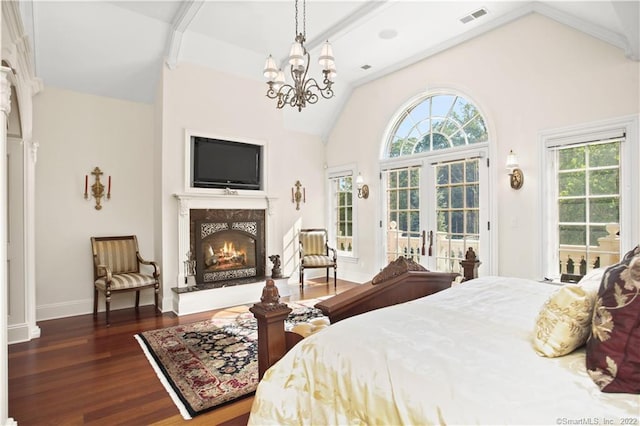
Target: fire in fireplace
229 250
229 245
226 256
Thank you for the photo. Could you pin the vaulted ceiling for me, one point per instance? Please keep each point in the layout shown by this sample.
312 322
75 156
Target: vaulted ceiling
118 48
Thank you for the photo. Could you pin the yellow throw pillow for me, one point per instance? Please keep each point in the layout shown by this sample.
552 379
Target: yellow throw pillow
564 322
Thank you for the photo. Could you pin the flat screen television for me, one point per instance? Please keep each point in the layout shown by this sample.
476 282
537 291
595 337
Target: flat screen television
220 163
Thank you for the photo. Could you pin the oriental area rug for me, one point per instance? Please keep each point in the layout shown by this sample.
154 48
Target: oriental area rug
210 363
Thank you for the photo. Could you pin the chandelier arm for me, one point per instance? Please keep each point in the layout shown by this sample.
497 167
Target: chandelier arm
311 97
271 92
285 91
326 91
306 68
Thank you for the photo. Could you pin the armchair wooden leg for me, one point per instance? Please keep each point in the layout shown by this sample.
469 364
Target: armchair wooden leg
156 301
107 304
335 278
301 277
95 302
137 300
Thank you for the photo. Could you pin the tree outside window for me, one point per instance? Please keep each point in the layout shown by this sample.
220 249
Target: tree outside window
343 210
588 187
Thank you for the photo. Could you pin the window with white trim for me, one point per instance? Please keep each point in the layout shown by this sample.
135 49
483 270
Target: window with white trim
403 213
341 232
588 178
436 184
588 197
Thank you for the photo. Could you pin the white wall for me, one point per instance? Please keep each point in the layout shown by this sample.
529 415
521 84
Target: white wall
531 75
214 103
78 132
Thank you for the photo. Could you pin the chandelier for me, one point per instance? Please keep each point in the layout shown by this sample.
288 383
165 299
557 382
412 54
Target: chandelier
302 90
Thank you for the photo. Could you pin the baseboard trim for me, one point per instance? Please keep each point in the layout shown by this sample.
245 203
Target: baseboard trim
17 333
74 308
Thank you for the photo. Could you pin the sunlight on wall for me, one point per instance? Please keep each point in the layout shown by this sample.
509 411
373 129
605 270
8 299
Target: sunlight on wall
290 251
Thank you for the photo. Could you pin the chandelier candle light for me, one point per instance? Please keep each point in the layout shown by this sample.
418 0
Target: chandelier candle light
302 90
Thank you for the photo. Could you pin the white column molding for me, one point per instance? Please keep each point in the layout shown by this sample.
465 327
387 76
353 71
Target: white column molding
5 96
33 148
30 157
5 108
183 208
16 52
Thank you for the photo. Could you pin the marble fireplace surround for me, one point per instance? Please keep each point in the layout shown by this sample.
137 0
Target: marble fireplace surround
187 302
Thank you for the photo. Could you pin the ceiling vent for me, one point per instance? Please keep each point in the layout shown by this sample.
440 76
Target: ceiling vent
473 15
365 67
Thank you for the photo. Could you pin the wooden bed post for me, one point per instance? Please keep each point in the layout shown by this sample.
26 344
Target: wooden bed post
470 265
270 314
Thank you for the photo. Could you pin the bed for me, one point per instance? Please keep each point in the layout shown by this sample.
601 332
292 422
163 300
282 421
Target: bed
462 355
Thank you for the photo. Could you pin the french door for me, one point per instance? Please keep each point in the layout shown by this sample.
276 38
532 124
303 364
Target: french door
436 210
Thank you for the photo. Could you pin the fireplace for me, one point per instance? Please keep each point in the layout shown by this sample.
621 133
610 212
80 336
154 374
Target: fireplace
229 246
227 208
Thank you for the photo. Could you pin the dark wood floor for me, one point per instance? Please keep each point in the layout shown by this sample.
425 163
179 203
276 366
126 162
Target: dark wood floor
81 372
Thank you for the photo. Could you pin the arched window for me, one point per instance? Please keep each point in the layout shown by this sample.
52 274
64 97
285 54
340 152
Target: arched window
435 123
435 179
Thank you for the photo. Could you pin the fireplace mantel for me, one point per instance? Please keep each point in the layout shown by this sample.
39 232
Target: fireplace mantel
187 302
226 199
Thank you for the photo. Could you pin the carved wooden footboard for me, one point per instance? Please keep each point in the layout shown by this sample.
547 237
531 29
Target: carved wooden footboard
401 281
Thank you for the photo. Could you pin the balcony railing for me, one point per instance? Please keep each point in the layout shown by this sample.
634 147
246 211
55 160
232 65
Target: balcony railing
579 260
448 251
574 260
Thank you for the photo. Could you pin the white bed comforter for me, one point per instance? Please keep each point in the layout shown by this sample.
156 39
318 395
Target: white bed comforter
461 356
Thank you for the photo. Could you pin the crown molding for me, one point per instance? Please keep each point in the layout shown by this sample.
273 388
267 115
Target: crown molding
16 51
629 15
608 36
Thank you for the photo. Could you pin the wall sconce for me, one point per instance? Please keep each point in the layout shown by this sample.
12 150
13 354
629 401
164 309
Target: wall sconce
363 188
298 196
516 177
97 188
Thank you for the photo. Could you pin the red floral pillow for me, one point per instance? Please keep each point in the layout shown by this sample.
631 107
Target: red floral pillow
613 349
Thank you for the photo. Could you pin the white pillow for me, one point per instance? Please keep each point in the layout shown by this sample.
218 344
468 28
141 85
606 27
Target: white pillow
564 322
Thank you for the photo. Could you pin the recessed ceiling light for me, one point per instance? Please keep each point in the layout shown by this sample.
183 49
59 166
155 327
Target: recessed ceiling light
365 67
388 34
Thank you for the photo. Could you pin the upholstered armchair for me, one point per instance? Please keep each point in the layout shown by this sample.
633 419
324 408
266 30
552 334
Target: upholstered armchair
116 268
316 253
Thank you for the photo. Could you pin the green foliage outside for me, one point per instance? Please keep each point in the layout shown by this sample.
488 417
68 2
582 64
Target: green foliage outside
438 122
588 192
344 192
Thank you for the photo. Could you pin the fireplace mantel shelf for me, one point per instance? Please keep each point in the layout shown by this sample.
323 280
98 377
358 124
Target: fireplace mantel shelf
222 194
220 200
